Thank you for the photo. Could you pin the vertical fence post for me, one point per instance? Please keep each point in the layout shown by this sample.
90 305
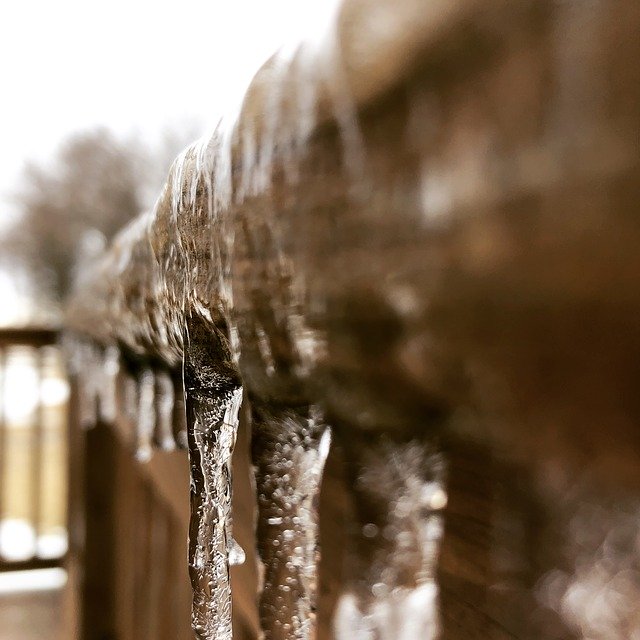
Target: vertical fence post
98 612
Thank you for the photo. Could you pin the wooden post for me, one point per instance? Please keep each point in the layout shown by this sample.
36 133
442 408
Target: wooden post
98 580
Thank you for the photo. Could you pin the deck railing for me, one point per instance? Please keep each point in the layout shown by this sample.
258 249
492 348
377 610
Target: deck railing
421 230
127 531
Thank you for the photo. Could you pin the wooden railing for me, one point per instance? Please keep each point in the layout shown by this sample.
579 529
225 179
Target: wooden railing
129 503
128 532
420 230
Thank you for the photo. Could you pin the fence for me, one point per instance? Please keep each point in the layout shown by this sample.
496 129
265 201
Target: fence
424 236
130 503
127 536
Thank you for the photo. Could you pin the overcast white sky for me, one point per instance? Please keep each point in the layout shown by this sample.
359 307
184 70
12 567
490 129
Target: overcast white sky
135 66
132 65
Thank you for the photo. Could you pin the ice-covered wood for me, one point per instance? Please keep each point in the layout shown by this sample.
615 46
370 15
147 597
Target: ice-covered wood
425 224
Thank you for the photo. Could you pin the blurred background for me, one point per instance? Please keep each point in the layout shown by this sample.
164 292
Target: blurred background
98 98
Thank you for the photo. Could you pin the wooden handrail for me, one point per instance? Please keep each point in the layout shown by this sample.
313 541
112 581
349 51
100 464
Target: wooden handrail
424 236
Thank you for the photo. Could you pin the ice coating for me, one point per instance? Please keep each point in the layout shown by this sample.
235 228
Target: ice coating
319 76
426 230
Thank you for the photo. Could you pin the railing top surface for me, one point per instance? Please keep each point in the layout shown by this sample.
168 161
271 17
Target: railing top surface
321 82
456 184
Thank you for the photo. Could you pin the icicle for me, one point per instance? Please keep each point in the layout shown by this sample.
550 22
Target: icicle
180 415
237 556
165 402
213 398
290 448
109 381
400 496
146 415
130 399
89 376
212 430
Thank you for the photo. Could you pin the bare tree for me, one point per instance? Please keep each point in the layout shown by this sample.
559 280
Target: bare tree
96 182
93 182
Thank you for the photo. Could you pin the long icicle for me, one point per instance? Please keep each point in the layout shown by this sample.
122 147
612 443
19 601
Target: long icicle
213 397
290 446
